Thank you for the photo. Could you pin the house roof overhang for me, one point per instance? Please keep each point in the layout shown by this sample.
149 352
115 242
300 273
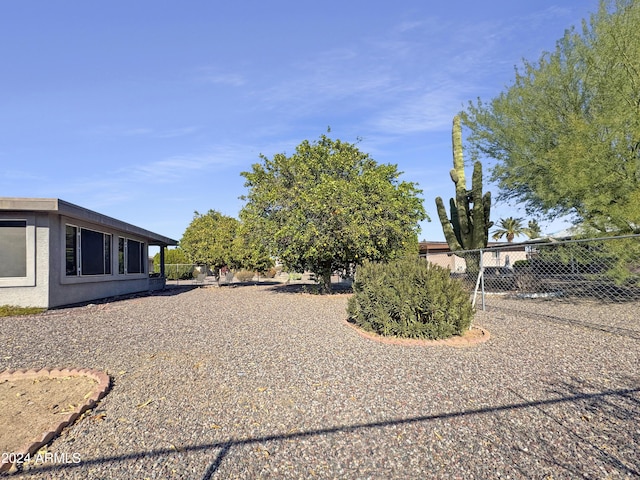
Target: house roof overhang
55 205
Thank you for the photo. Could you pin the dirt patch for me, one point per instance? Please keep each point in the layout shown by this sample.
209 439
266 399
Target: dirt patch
36 405
471 337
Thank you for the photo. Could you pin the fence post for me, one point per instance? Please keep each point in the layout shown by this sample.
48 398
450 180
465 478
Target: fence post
482 276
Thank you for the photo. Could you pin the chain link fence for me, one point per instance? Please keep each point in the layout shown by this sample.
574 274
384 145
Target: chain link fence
602 271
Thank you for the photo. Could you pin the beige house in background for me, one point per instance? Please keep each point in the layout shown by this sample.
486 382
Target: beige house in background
497 254
55 253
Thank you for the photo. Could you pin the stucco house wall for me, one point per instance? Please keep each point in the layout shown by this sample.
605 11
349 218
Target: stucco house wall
47 281
496 255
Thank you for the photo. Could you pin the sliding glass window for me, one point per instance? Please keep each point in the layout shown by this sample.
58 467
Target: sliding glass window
92 253
131 255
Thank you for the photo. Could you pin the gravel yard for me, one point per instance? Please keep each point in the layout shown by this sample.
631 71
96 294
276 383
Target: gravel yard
260 382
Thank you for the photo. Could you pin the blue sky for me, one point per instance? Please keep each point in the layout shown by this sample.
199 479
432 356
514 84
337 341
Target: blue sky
147 111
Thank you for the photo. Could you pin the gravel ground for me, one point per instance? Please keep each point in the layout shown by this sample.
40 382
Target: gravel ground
265 382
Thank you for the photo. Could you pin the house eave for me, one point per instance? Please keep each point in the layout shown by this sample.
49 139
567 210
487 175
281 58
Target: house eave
61 207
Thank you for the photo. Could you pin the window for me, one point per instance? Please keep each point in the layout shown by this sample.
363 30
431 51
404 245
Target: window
71 250
121 242
130 256
135 256
13 248
94 254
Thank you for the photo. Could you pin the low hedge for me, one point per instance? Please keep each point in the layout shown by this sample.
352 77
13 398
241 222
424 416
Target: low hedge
409 298
245 275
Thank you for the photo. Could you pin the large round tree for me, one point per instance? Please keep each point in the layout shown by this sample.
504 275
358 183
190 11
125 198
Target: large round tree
329 206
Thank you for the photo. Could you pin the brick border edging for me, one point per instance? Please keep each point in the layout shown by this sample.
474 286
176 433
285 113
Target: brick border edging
104 383
466 340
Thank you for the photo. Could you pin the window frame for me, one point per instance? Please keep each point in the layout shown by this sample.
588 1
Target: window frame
81 263
124 256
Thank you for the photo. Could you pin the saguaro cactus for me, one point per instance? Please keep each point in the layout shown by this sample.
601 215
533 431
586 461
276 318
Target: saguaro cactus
468 227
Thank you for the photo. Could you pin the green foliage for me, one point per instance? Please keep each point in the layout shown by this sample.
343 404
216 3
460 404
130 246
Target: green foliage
409 298
177 265
179 271
509 227
532 230
521 264
248 252
295 276
174 255
625 269
12 311
329 206
208 240
616 259
566 134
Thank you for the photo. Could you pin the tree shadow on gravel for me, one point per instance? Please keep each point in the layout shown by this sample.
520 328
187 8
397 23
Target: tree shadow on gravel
170 291
311 288
623 404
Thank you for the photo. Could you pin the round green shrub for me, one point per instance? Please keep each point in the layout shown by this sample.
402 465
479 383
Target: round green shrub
409 298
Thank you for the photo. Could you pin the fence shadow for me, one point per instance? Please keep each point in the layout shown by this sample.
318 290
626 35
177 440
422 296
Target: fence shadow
614 400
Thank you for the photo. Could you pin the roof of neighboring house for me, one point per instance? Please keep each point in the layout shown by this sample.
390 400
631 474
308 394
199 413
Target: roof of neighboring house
55 205
443 247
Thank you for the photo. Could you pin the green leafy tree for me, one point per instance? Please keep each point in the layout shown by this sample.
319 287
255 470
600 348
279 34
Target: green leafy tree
508 227
533 229
249 252
566 134
208 240
330 206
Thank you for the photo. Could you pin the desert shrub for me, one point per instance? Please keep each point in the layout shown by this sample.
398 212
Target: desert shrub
409 298
270 273
295 276
245 275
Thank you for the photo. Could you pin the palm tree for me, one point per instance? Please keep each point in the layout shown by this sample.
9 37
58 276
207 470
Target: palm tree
509 227
533 230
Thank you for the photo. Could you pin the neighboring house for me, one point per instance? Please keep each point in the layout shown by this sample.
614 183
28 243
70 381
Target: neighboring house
497 254
54 253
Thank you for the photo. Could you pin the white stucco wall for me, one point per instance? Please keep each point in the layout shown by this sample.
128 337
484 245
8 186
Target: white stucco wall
32 290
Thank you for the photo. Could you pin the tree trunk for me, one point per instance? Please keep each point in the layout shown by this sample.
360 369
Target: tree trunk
323 276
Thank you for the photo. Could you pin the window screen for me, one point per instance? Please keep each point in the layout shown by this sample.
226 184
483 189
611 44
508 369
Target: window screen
134 257
71 250
95 252
121 262
92 252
